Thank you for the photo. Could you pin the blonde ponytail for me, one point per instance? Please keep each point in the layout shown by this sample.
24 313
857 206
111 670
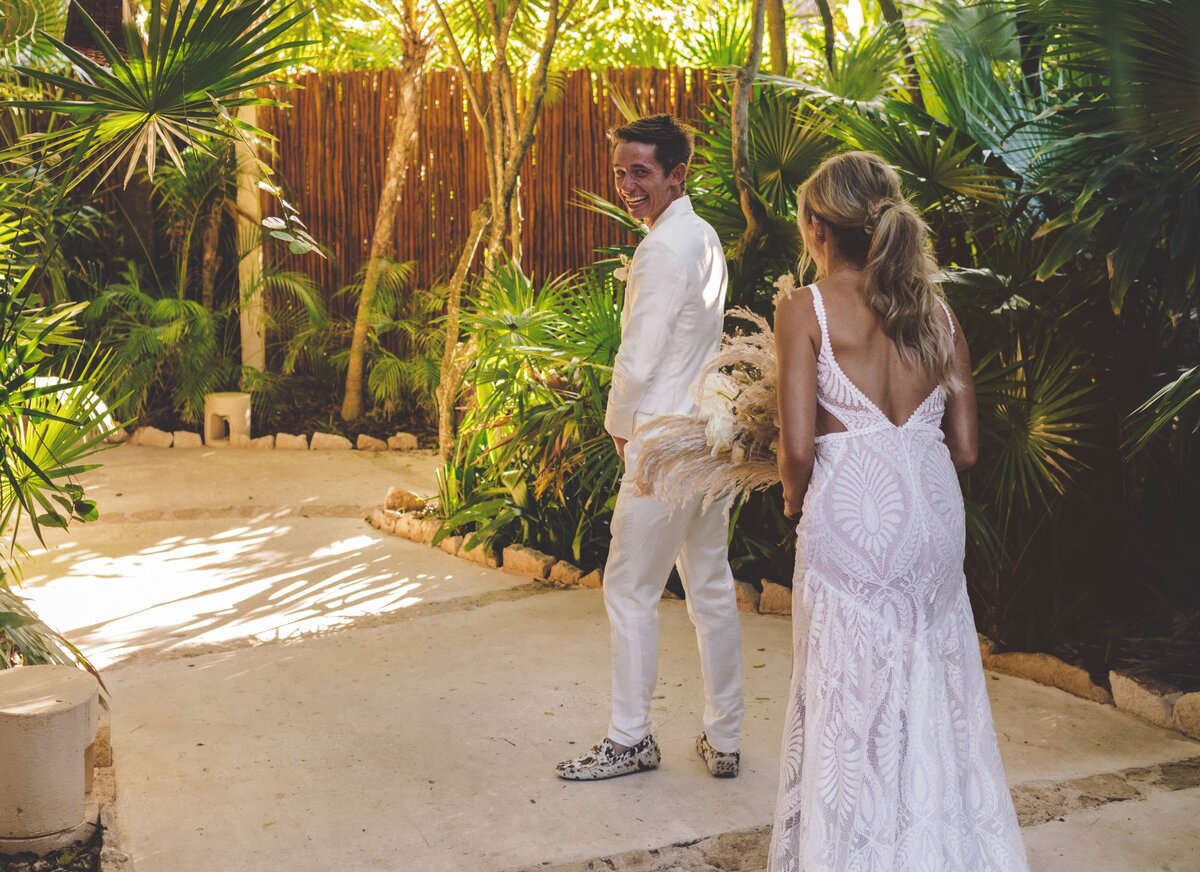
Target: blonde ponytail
858 196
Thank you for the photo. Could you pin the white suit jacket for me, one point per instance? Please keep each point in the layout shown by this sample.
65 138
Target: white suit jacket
671 322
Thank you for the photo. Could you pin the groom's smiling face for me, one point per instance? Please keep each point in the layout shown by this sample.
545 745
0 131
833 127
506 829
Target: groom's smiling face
646 188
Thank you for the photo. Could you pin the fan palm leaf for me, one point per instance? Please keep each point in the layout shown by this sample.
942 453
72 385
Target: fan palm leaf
201 61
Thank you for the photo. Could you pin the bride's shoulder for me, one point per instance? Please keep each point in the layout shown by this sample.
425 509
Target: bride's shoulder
795 311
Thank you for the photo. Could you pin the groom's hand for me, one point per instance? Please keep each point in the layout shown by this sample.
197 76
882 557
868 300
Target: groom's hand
620 443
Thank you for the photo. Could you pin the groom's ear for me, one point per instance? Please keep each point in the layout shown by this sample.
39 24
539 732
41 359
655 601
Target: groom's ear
678 173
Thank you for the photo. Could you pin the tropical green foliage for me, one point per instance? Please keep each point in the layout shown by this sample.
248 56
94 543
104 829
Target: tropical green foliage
51 420
533 463
200 60
403 350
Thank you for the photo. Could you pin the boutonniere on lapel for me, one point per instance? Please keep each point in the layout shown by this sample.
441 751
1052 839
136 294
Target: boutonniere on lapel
621 273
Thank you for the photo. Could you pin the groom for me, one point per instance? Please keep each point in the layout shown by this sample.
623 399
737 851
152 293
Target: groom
670 327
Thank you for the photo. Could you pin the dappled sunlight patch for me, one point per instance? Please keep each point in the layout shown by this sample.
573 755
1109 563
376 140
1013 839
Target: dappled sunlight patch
343 546
252 582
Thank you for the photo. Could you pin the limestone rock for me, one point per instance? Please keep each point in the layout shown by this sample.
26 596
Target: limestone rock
1049 670
330 442
102 745
188 439
405 525
775 600
108 820
151 437
402 500
451 544
593 579
291 442
747 596
388 522
522 560
425 529
564 574
263 443
375 519
1150 700
117 436
369 443
114 860
239 440
402 442
484 555
738 850
1187 715
104 786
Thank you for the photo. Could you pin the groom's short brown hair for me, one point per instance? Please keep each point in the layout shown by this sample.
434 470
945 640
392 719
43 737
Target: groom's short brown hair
674 141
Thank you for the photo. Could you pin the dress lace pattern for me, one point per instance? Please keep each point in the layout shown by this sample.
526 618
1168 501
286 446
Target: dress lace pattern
890 761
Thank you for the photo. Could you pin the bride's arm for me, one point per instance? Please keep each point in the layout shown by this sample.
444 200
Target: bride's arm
961 421
797 336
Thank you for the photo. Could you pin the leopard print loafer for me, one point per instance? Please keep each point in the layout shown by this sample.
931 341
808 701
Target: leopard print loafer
720 764
603 761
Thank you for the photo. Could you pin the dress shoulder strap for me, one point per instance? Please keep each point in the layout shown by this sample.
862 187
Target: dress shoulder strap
949 317
819 308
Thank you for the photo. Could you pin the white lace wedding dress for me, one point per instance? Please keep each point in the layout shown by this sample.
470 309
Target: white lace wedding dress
890 762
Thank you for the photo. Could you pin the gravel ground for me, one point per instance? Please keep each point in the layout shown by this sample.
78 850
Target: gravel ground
75 858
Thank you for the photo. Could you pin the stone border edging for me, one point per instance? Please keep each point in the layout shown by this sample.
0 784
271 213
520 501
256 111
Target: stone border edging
1161 704
403 514
155 438
104 794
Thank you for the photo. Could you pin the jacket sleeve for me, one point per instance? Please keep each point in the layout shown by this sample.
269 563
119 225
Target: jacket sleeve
657 286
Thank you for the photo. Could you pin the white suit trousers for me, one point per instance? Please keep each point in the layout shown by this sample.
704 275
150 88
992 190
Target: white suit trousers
648 536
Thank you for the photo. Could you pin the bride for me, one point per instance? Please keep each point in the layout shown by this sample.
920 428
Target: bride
890 761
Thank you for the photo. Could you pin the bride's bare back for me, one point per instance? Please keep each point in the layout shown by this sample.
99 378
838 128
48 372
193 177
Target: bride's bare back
868 356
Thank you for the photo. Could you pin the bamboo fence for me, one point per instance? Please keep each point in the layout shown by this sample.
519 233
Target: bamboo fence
331 146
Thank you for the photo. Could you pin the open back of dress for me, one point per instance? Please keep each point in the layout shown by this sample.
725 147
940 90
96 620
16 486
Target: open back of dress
890 761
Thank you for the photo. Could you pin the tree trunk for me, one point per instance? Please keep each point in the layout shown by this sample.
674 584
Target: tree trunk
830 33
891 14
453 363
752 206
210 260
777 27
250 260
409 101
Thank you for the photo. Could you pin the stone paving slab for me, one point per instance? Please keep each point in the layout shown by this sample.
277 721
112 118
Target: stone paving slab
433 739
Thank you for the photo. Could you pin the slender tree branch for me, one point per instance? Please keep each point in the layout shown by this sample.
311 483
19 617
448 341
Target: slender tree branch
891 14
533 105
827 22
472 95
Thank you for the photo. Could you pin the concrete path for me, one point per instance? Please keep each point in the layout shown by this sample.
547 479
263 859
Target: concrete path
292 689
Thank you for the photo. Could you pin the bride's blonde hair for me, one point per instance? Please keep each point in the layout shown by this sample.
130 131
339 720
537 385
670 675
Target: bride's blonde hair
858 197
